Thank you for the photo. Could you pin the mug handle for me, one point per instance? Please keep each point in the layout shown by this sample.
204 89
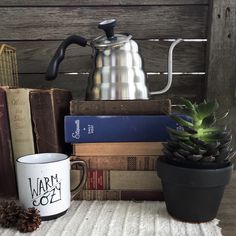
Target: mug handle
79 187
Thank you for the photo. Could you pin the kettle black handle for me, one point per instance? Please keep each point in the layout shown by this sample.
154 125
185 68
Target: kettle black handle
53 66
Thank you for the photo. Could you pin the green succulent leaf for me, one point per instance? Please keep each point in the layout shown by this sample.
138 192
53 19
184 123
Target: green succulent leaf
206 109
195 157
208 159
212 146
183 152
172 144
197 141
186 146
222 116
187 103
178 155
186 111
180 133
167 153
190 130
208 121
181 121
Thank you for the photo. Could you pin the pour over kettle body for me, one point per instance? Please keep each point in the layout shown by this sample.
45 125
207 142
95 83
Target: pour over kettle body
117 71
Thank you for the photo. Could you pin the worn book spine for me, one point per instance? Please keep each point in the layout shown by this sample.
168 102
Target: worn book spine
48 109
118 149
137 195
20 121
125 107
114 162
122 180
7 168
130 128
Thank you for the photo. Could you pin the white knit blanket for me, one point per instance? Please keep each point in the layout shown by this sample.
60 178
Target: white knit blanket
119 218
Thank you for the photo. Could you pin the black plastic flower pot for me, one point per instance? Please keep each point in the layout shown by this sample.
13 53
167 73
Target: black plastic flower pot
193 195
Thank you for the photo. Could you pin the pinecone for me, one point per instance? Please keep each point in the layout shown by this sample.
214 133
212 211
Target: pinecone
29 220
9 214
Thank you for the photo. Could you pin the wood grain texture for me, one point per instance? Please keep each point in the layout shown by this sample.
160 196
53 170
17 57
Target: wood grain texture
34 56
98 2
189 86
227 210
40 23
221 83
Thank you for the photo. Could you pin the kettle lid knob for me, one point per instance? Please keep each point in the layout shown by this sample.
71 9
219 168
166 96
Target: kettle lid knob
108 27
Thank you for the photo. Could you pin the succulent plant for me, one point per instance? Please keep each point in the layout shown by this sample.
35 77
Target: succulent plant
199 140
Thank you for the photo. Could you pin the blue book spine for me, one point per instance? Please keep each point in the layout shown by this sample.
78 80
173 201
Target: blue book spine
88 129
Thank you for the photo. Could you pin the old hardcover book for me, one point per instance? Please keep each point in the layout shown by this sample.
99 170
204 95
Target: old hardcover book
122 128
137 195
118 149
48 109
128 162
120 180
20 121
7 168
125 107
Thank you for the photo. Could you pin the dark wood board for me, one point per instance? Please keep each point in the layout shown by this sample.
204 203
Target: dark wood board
189 86
221 83
56 23
34 56
98 2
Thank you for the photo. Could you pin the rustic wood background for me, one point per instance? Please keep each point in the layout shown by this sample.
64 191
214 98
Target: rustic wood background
37 27
203 69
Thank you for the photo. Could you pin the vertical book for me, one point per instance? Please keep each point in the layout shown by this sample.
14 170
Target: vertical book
20 121
48 109
7 167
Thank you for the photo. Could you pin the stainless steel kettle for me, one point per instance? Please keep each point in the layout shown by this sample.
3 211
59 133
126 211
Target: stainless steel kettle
117 72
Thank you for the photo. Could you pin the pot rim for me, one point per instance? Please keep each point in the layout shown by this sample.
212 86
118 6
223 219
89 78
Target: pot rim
193 177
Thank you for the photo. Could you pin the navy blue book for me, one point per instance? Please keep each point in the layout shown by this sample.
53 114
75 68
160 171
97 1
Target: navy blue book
130 128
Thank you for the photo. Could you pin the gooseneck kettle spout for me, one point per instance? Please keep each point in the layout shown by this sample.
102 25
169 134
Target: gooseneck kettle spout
117 70
170 66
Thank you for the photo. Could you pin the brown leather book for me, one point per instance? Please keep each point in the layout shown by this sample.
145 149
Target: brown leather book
114 162
137 195
121 107
7 167
48 108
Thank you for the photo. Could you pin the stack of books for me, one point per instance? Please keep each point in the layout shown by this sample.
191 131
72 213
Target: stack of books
31 121
120 141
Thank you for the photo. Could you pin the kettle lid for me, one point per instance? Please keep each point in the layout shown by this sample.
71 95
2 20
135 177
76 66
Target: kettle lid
110 39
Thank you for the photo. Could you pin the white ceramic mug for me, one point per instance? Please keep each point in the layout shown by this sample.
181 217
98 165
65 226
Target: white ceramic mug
44 182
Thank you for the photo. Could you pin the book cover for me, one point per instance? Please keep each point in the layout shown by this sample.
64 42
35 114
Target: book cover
140 128
8 186
20 121
121 107
121 180
48 109
118 149
114 162
127 195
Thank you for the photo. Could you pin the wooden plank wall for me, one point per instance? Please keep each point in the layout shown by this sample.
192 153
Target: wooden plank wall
36 28
221 70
